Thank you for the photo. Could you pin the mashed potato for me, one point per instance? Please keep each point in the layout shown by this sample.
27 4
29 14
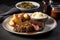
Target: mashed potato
38 15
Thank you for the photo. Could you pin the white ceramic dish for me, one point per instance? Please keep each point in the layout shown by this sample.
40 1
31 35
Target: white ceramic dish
34 3
48 27
38 16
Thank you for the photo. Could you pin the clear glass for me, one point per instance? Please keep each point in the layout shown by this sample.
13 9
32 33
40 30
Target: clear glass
55 13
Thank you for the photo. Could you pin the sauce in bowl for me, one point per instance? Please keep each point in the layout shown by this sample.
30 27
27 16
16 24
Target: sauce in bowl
38 15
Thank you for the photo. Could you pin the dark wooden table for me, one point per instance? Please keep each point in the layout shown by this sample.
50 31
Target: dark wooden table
4 35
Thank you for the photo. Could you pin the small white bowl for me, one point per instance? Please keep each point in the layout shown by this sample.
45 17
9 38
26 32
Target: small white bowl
24 9
38 17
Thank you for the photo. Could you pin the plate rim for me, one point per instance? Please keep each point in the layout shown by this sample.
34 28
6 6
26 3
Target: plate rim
29 33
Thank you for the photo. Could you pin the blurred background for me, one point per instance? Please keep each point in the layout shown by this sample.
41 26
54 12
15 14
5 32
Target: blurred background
6 5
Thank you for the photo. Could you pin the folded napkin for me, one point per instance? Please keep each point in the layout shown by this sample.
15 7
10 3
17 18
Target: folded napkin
11 11
8 13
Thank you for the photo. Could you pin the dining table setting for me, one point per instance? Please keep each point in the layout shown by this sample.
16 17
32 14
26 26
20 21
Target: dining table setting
29 20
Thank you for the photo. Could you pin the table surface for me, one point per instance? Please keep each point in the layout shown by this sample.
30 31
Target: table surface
4 35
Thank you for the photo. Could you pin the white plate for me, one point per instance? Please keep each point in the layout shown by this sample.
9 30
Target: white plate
50 25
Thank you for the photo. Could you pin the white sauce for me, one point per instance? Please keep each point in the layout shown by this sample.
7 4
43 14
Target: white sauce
38 15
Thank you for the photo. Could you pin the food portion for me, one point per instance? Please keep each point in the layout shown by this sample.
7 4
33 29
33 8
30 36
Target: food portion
26 5
38 15
23 23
